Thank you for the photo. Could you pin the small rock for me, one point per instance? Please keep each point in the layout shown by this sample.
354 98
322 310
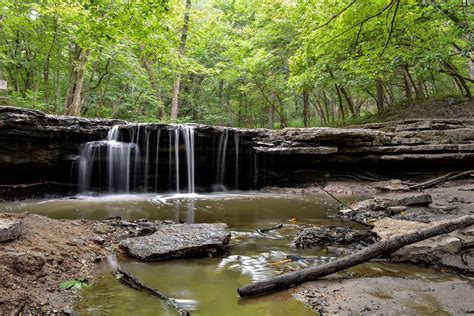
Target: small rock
392 210
9 229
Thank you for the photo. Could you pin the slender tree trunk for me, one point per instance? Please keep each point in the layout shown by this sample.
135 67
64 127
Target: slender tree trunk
341 105
271 117
182 46
420 88
348 99
154 86
306 112
379 95
74 108
46 68
407 85
57 78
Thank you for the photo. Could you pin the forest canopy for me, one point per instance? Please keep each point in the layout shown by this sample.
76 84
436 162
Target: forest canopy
268 63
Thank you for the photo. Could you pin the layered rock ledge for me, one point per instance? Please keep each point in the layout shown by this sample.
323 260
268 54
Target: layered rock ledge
40 148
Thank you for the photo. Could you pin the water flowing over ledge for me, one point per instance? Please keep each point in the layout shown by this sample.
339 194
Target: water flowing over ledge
70 154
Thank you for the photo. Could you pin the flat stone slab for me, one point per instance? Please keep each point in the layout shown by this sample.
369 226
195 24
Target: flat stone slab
178 241
9 229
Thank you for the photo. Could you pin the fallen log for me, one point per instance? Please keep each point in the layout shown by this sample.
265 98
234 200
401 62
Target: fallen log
380 248
134 283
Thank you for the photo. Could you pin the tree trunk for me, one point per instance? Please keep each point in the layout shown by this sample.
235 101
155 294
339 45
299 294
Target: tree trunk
271 117
182 46
154 86
407 85
348 99
380 248
379 95
57 93
46 68
341 105
306 117
74 108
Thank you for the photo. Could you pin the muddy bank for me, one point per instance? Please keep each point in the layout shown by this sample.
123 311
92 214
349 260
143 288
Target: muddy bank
46 253
388 296
37 258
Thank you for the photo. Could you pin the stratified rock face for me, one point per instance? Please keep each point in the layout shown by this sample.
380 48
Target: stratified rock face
39 148
172 241
9 229
385 148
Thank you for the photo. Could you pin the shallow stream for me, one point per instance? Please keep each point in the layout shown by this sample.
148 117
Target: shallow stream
208 286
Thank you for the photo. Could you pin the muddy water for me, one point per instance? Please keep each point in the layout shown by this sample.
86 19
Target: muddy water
207 286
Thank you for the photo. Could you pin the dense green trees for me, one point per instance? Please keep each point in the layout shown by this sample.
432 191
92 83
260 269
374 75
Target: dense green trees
269 63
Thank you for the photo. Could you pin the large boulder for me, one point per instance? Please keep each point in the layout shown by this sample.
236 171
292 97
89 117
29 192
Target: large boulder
179 240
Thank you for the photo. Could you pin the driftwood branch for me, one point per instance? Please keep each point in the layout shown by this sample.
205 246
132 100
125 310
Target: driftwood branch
438 180
134 283
335 198
264 230
380 248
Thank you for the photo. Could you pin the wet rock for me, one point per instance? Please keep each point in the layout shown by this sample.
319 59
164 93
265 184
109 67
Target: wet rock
178 241
452 251
383 206
333 236
9 229
391 185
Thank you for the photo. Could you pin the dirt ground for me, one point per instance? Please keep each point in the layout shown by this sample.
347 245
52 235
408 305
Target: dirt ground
388 296
47 253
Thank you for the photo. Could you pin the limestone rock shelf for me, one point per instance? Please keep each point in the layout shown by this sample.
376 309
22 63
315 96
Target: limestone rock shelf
36 148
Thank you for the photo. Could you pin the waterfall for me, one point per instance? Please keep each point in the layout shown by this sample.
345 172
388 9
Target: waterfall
127 166
221 156
147 157
176 157
237 145
188 133
156 158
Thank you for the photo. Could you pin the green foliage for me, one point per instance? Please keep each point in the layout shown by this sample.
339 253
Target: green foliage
73 285
244 59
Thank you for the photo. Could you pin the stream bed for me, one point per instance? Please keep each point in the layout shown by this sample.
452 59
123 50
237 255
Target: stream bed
208 286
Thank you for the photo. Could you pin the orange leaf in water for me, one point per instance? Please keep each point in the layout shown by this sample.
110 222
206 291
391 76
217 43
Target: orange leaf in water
294 219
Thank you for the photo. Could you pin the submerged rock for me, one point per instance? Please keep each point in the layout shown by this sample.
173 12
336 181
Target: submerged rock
333 236
9 229
178 241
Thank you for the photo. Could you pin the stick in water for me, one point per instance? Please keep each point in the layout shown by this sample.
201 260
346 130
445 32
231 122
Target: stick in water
134 283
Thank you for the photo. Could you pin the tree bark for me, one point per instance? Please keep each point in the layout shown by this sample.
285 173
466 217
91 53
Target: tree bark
380 248
379 94
154 86
271 117
347 97
306 112
182 46
46 67
341 105
74 108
